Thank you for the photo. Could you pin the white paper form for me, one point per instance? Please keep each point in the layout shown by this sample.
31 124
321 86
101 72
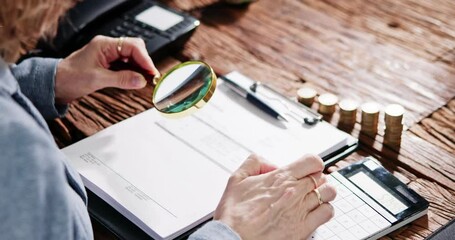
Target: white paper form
254 131
155 180
167 175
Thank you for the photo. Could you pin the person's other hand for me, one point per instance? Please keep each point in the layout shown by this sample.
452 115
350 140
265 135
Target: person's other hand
87 69
262 202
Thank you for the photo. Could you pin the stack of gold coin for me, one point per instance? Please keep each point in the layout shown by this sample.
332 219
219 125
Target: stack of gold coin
370 118
306 96
327 103
348 112
393 124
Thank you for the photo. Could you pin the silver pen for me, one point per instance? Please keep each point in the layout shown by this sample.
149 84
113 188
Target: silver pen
254 99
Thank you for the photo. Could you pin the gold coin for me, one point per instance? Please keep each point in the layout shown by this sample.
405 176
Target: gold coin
327 103
394 114
370 118
392 143
348 105
392 135
394 128
306 96
370 108
348 111
394 110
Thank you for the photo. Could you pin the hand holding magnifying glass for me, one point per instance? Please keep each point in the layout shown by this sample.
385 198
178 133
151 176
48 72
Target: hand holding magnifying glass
182 90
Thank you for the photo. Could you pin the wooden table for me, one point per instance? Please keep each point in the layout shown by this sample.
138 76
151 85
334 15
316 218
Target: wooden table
390 51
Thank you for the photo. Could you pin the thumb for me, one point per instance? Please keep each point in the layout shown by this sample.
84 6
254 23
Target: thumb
123 79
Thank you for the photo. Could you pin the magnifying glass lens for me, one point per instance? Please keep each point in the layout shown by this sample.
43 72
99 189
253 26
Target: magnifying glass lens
185 86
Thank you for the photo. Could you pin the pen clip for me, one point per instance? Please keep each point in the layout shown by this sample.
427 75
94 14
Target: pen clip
253 97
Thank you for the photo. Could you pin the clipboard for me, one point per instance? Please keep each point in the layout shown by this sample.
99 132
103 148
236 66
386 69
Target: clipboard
122 196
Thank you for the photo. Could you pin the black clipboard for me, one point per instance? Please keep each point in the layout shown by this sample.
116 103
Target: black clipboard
123 228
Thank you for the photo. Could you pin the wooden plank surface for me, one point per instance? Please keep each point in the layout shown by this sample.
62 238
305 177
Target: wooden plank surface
386 51
287 43
439 128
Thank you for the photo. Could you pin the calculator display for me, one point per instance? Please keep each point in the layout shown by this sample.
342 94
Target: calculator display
377 192
159 18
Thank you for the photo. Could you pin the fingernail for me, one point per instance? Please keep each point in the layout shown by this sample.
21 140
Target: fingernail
139 81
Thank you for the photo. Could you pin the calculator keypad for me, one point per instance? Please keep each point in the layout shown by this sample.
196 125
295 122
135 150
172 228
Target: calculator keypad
353 219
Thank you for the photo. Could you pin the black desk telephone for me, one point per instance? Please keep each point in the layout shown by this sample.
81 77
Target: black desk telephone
162 29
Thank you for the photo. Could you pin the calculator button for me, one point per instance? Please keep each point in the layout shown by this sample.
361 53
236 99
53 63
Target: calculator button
120 29
334 237
356 216
343 205
335 226
355 201
367 211
137 29
324 232
130 33
346 221
147 34
347 235
342 191
369 226
337 211
381 222
127 25
114 33
359 232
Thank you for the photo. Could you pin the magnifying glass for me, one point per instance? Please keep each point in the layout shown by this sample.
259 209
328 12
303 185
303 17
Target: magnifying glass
182 90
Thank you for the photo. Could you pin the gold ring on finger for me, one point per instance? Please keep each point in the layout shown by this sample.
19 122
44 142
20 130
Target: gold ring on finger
318 194
120 45
314 181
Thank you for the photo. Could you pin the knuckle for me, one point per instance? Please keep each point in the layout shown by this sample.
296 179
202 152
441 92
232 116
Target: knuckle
323 178
141 41
290 191
254 158
98 38
235 177
279 178
138 41
316 160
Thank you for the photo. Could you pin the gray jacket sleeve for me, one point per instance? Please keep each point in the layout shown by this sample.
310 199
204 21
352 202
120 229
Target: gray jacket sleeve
36 200
215 230
36 77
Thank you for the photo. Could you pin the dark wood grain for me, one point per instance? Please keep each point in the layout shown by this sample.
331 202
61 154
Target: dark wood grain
294 43
385 51
439 128
424 28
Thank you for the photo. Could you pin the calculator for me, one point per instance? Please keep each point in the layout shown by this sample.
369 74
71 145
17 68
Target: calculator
370 203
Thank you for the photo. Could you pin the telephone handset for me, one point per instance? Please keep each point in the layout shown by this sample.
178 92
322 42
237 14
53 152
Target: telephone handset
163 29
